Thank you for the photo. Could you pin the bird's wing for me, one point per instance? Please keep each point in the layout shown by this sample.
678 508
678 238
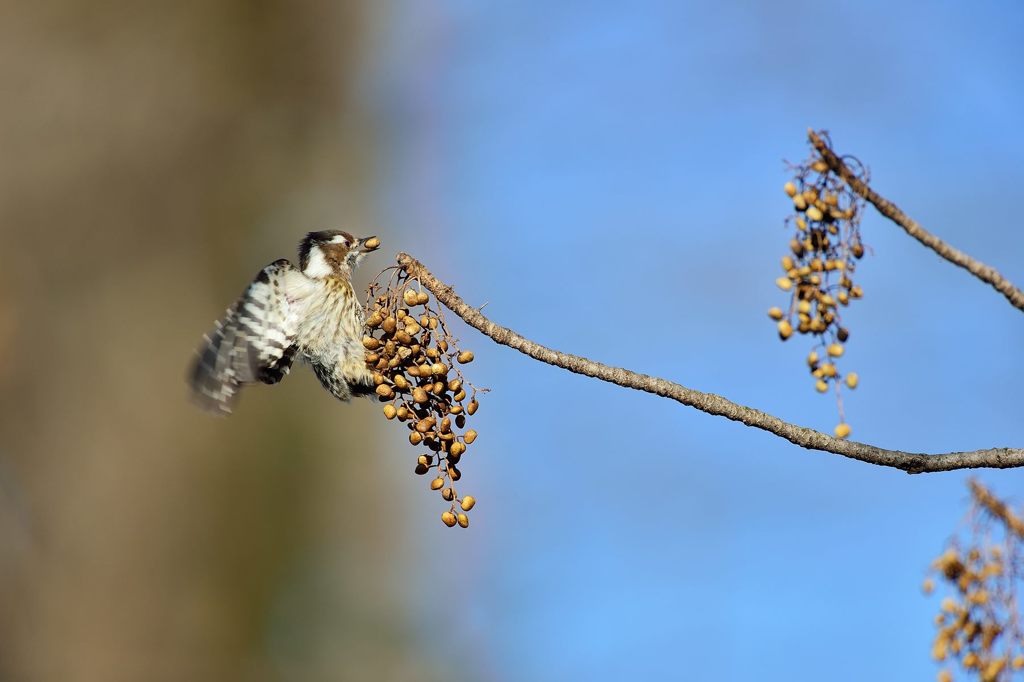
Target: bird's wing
254 341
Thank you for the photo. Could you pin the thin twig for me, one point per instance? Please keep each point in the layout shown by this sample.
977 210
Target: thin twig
997 508
914 463
985 273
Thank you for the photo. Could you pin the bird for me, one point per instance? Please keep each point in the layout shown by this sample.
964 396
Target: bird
309 312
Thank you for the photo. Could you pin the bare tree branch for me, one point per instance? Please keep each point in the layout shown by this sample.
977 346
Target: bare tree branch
914 463
985 273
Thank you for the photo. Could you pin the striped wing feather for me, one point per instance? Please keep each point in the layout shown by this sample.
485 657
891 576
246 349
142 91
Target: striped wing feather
253 342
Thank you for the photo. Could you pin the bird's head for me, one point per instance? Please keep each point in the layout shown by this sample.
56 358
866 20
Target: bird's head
333 253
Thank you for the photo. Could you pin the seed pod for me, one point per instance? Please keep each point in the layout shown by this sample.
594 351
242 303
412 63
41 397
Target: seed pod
437 483
801 224
457 448
390 411
374 320
456 409
448 519
775 313
820 386
817 372
460 395
415 437
843 334
842 430
799 202
843 297
424 425
835 350
454 385
425 460
443 345
852 380
439 369
413 371
790 189
412 329
403 337
370 343
420 396
785 331
856 292
460 420
438 388
787 263
421 469
409 297
819 166
432 353
401 383
828 369
448 494
465 357
454 473
403 413
784 283
857 250
814 213
372 359
389 325
803 307
472 407
432 323
812 358
468 502
422 298
385 392
463 520
390 348
796 247
469 437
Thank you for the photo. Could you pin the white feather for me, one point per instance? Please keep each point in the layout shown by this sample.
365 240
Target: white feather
317 265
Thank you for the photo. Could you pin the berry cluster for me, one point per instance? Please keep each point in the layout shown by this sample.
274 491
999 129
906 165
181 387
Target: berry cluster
413 357
977 624
819 267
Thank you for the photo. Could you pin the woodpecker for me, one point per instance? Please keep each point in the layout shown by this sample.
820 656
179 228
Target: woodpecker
309 312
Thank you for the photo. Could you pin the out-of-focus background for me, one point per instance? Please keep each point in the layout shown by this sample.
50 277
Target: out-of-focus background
607 178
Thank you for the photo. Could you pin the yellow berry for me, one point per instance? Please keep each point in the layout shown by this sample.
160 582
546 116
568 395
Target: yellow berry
790 189
463 520
927 586
787 263
819 166
814 213
472 407
470 436
409 297
390 411
775 313
820 386
812 358
437 483
785 330
835 350
842 430
852 379
799 202
448 519
784 283
465 357
467 502
371 243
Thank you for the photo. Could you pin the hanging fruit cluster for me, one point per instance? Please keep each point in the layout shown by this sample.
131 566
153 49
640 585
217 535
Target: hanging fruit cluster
977 625
819 269
414 361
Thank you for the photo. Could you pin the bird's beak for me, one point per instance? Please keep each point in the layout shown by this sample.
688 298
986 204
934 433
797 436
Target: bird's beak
368 244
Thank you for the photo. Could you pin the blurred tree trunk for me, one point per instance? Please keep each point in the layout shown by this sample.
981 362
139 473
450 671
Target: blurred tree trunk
155 156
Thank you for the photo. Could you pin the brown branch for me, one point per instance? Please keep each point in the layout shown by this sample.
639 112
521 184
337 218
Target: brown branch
914 463
985 273
997 508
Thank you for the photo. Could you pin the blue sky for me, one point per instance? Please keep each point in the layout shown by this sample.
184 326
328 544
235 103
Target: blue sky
608 180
